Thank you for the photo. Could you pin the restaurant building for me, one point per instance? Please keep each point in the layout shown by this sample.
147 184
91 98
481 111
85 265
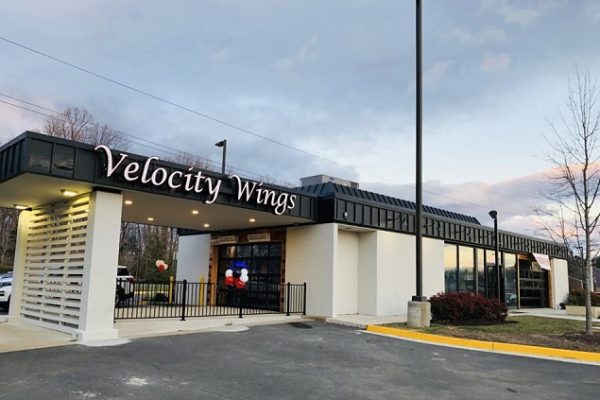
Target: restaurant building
353 249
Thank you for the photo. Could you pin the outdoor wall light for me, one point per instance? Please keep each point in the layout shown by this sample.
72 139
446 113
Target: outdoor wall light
252 220
68 193
128 202
195 212
206 225
150 219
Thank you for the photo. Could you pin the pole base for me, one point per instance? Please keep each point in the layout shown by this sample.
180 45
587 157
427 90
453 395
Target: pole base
419 314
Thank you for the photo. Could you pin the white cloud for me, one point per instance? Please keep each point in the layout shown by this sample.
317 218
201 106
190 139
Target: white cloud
221 55
522 14
593 11
437 72
301 55
495 62
489 34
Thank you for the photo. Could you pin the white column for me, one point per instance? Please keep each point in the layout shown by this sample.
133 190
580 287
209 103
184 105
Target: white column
193 257
559 282
310 258
100 267
367 273
16 295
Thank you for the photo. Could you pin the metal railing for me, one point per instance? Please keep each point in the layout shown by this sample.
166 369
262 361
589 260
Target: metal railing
182 299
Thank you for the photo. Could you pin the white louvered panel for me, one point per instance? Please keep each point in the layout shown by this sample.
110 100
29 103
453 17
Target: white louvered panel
53 272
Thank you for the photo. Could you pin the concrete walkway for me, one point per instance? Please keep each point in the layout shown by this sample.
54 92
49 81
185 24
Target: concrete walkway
135 328
551 313
17 336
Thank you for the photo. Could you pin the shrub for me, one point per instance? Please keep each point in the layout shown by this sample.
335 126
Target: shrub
577 298
467 308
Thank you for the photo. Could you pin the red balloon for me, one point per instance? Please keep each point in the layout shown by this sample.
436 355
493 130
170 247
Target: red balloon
229 281
239 284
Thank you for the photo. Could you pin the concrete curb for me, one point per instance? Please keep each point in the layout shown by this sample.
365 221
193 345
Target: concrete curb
495 347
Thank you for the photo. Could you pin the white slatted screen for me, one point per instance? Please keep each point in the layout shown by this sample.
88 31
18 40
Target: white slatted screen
53 271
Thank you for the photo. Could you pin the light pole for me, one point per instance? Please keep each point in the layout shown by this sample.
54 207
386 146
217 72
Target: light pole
494 215
419 309
223 144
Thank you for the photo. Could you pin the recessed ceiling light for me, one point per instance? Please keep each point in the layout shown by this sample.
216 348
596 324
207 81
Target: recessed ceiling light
21 207
195 212
68 193
252 220
150 219
128 202
206 225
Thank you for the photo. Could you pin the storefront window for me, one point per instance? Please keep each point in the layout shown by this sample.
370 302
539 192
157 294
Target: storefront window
450 266
510 279
490 259
480 272
466 276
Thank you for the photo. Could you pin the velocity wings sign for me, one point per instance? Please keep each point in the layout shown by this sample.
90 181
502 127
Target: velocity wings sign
192 180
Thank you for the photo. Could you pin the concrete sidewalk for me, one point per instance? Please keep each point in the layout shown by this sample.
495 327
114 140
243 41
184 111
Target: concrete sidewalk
551 313
361 321
17 336
135 328
20 335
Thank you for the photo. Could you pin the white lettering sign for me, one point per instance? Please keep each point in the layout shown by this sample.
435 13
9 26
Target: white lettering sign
194 181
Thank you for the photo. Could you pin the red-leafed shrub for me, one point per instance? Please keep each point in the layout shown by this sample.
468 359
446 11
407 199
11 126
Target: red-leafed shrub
467 308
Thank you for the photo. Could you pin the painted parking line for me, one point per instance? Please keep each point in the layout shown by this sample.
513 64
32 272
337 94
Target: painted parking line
496 347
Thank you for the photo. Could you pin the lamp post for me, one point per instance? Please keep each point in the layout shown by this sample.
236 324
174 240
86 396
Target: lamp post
494 215
419 309
223 144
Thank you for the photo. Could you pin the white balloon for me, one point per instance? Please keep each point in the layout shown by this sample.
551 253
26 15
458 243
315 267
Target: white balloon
244 271
229 273
158 262
244 278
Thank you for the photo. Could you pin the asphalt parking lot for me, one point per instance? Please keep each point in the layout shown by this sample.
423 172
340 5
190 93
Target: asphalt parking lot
305 361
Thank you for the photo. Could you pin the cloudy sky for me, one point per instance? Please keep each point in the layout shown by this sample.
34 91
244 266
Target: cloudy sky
331 80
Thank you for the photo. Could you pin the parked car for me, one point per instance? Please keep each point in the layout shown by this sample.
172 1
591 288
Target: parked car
125 286
5 290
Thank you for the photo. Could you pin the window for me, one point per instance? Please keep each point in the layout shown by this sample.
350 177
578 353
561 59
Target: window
466 276
450 267
480 272
510 279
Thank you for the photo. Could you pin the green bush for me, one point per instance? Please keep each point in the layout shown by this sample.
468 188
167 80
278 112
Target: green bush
577 298
467 308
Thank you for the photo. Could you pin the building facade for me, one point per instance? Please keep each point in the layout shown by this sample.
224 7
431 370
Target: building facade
354 249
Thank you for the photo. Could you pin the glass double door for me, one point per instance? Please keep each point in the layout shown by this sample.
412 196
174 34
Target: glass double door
263 262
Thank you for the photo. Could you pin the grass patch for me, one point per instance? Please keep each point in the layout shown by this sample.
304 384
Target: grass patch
530 330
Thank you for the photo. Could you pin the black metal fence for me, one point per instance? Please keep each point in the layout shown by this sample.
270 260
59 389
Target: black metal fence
182 299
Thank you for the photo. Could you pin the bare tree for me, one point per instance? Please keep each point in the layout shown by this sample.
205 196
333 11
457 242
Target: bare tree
8 235
572 214
78 124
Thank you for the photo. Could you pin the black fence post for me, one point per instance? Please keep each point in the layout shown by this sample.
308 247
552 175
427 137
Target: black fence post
304 300
287 298
239 293
183 299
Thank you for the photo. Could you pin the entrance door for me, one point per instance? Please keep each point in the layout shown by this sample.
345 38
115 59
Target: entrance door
533 285
263 261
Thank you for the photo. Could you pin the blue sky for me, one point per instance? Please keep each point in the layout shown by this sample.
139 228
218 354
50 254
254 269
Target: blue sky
334 78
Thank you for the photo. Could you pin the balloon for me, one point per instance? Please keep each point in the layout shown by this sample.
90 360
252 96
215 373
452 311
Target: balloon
158 262
244 278
237 273
229 273
229 281
244 271
239 284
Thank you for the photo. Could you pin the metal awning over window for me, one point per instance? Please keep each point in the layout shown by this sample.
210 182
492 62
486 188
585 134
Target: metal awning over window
543 260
